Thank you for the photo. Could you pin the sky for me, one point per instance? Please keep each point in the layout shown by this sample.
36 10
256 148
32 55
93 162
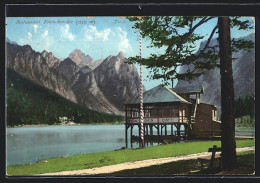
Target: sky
97 37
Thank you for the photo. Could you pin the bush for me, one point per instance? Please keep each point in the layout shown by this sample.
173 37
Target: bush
245 121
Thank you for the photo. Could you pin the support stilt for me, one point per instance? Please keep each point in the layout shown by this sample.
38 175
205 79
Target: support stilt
158 132
131 135
126 127
178 130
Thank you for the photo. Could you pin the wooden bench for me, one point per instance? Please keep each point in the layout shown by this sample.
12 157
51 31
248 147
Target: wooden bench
211 157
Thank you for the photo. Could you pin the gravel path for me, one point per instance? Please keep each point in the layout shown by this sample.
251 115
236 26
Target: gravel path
135 164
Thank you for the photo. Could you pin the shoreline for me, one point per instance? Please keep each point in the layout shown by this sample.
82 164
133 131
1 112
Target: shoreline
108 123
76 124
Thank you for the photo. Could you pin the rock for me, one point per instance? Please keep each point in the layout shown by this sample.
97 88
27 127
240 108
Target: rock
33 66
80 58
243 74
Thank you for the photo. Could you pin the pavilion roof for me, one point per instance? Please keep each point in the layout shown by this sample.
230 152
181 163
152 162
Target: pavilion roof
189 89
158 94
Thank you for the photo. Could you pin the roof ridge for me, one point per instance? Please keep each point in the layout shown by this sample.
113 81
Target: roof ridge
179 97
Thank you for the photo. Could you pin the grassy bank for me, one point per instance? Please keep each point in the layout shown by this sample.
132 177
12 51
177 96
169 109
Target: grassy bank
246 165
85 161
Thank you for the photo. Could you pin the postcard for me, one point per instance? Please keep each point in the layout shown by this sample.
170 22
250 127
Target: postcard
130 95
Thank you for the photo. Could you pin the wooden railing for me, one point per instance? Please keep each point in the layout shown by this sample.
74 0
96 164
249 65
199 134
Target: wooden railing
194 112
158 120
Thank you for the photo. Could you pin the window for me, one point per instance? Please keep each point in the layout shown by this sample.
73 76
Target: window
162 112
174 113
135 113
153 112
128 113
214 114
180 113
146 113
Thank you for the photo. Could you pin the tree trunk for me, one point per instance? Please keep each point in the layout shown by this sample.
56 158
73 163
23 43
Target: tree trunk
228 142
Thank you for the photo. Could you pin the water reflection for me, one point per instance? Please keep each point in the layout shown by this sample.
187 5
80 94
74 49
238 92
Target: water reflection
26 145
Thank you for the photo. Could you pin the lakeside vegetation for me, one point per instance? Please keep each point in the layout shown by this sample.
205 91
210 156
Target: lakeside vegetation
92 160
245 105
245 110
245 121
31 104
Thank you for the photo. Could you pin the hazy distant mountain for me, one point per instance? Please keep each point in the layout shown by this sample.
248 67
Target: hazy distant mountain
84 60
80 58
9 41
243 74
95 64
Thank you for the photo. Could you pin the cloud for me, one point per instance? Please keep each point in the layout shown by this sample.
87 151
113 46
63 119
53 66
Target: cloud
114 39
29 36
65 32
26 40
104 34
123 43
45 33
35 26
91 33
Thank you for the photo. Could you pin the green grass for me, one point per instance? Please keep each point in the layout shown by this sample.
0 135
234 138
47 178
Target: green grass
190 167
84 161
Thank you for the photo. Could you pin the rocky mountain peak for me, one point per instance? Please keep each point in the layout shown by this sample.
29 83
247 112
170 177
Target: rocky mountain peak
121 55
34 66
68 61
44 53
51 60
68 68
80 58
11 42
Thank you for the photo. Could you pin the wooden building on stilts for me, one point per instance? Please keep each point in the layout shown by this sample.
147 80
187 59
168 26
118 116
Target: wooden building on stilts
176 108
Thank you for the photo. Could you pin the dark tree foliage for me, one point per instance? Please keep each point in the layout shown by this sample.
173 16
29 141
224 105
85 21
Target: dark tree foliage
29 103
177 34
245 105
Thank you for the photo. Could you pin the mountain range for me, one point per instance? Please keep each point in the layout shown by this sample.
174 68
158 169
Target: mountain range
101 85
105 85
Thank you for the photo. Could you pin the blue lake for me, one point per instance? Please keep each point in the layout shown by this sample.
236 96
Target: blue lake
31 144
